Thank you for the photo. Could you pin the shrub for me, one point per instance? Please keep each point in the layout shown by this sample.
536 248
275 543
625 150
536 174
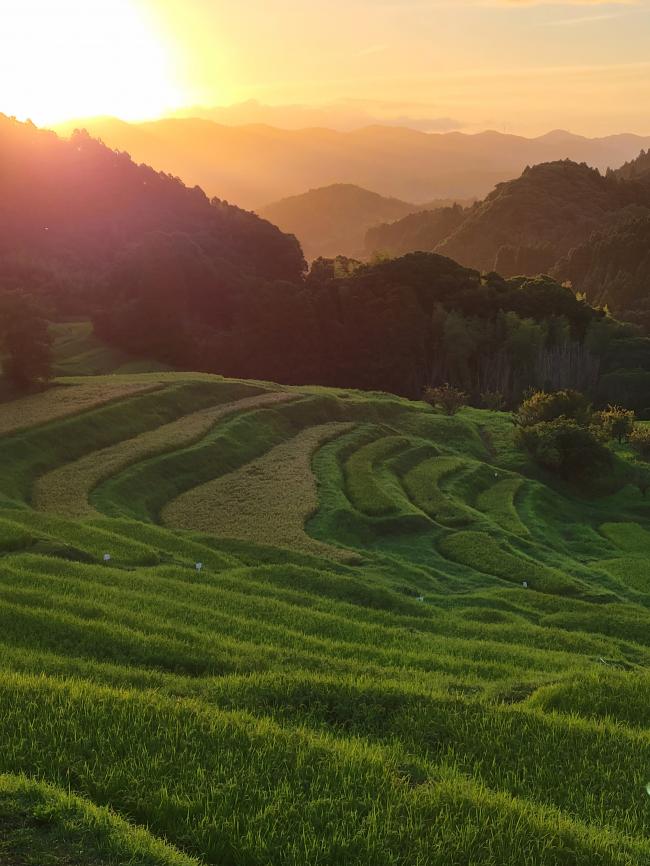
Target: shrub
640 441
566 448
616 422
549 406
446 397
494 400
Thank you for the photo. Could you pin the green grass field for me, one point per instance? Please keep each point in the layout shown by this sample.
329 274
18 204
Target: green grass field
356 675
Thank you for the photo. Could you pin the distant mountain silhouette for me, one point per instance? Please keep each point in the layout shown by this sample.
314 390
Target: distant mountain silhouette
253 165
333 220
344 115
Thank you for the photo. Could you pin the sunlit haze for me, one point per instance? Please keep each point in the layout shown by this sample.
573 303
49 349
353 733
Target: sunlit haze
73 58
516 65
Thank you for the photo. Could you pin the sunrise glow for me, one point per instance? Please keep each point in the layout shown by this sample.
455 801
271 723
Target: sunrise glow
325 432
76 58
520 66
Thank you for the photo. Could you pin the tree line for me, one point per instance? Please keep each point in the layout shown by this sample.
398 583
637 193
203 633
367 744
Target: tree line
397 325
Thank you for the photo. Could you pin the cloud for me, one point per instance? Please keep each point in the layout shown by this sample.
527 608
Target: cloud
370 50
342 115
521 4
428 5
583 19
560 2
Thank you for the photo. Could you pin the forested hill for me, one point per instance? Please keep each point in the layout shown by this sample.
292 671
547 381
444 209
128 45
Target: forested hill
527 224
636 169
418 232
333 220
613 268
166 274
68 208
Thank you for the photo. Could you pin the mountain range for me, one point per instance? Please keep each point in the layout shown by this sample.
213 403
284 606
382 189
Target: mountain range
167 273
253 165
344 115
70 209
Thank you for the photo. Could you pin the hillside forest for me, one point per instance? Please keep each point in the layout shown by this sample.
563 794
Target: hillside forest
166 273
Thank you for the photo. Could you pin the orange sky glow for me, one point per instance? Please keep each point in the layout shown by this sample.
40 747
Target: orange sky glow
515 65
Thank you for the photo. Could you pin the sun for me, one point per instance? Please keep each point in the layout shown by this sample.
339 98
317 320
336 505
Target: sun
63 59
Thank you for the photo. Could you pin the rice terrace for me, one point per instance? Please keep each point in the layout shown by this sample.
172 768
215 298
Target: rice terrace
409 649
324 433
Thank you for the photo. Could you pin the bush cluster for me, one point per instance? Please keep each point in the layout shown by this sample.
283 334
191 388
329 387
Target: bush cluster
566 448
557 429
542 406
451 400
640 440
615 422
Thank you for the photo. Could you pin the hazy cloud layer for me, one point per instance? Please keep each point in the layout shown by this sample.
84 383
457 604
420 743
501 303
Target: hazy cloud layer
343 115
432 4
561 2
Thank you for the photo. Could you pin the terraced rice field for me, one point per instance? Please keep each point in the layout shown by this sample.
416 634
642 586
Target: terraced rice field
356 674
73 399
65 490
267 502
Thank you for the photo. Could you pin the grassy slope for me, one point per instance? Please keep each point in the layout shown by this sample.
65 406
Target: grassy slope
77 352
406 702
42 825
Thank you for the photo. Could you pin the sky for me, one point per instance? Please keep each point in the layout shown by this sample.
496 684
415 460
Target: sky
518 66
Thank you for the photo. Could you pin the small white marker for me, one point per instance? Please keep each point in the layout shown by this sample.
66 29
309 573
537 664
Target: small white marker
199 566
107 557
525 584
420 598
